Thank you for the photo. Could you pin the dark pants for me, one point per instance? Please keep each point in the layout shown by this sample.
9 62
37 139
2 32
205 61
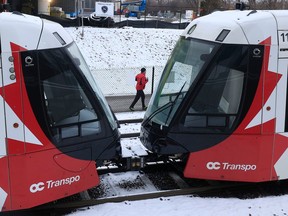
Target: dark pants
140 93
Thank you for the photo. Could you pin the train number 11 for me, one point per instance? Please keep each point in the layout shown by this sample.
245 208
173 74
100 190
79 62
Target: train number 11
284 37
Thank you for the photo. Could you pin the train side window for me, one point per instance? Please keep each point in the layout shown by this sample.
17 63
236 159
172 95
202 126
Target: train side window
56 83
63 97
217 102
70 112
67 104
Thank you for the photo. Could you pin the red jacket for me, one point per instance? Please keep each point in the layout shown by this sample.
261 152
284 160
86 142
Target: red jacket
141 81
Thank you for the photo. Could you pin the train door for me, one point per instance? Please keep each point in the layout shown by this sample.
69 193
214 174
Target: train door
271 78
13 104
263 113
4 173
267 113
280 157
13 115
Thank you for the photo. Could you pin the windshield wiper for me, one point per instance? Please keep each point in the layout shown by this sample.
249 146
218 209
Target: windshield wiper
160 109
174 101
165 106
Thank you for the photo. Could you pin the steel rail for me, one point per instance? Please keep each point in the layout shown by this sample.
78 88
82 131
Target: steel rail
204 190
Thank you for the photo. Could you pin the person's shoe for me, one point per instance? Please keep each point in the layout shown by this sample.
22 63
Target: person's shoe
144 108
131 108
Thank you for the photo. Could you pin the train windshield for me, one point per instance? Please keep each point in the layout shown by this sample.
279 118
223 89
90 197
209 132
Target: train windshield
209 79
181 72
63 94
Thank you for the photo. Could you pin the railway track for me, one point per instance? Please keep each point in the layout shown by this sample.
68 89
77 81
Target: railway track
209 190
215 189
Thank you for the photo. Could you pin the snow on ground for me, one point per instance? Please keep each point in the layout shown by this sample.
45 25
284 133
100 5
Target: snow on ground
125 48
104 48
116 55
130 115
192 206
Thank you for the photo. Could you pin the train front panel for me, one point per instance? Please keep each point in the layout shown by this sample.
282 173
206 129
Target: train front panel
221 100
55 122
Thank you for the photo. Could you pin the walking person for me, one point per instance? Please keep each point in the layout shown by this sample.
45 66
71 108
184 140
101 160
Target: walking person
141 81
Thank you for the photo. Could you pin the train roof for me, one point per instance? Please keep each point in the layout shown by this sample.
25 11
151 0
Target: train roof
241 27
30 32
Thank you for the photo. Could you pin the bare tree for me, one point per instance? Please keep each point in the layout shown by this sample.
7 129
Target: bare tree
171 5
209 6
270 4
252 4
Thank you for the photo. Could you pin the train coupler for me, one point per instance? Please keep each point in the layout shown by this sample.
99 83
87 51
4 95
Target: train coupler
135 163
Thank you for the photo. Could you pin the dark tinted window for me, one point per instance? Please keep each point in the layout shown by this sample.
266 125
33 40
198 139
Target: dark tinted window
61 99
217 100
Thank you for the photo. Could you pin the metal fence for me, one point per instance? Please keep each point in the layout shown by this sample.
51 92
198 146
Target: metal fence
146 23
151 24
118 85
121 81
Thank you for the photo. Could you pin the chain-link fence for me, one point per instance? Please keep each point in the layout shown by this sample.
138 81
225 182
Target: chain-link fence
121 81
118 85
146 23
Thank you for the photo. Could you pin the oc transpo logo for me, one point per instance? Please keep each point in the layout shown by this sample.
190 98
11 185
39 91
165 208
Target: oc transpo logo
37 187
40 186
229 166
213 165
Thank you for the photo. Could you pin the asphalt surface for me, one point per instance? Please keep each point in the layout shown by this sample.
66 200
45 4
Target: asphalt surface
122 103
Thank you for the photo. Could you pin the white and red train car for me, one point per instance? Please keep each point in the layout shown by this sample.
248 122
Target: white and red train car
222 100
54 121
